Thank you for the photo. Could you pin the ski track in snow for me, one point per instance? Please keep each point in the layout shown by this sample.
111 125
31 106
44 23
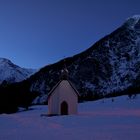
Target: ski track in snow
96 120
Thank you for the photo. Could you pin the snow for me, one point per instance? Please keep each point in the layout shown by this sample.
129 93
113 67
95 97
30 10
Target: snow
108 119
135 17
132 21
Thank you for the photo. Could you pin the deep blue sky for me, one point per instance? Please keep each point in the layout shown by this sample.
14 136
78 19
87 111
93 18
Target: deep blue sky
34 33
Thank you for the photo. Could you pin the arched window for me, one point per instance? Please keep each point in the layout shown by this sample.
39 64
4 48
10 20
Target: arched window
64 108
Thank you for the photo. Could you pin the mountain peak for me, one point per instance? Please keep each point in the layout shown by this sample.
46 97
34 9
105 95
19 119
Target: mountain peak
133 22
13 73
135 17
4 60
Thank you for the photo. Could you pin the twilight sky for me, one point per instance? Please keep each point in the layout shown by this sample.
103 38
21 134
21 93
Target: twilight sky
34 33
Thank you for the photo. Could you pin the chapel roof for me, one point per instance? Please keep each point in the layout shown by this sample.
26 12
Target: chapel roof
52 91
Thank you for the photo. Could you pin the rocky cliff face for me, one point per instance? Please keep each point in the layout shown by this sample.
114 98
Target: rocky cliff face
110 65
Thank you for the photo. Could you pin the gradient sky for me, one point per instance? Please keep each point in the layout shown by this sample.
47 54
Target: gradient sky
34 33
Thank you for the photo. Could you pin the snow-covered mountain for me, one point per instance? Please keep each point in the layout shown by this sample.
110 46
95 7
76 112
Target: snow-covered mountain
111 65
12 73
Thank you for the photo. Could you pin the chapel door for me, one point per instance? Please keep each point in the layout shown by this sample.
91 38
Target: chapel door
64 108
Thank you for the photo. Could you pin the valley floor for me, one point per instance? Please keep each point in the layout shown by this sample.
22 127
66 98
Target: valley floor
117 119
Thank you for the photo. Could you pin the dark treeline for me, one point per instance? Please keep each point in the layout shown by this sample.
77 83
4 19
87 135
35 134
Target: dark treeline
13 96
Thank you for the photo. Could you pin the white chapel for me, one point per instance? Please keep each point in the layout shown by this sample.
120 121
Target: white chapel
63 98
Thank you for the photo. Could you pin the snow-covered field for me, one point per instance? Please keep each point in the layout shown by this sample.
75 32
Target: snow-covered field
98 120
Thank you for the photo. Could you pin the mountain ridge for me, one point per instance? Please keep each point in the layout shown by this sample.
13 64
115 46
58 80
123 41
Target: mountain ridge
110 65
13 73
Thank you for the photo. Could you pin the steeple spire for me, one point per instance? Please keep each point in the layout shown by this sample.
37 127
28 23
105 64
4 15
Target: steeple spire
64 72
